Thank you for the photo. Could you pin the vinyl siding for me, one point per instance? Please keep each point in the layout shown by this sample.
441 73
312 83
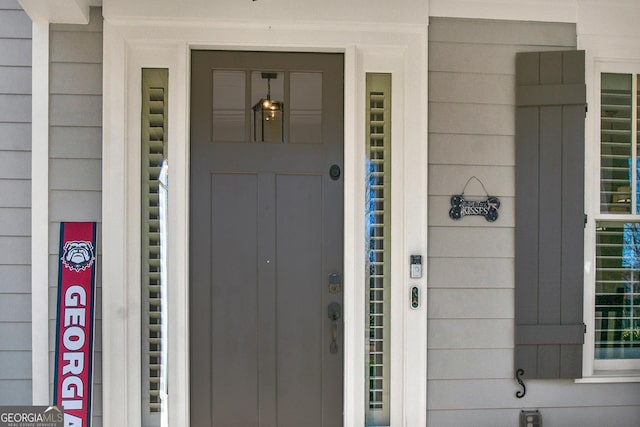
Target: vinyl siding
75 157
15 204
471 261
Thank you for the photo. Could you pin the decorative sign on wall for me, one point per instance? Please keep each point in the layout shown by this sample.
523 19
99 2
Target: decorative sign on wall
74 331
461 207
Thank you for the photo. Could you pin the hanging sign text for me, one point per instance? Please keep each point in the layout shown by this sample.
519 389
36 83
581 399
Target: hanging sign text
487 208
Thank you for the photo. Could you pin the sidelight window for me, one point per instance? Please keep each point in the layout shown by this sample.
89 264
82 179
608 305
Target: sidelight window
378 246
154 247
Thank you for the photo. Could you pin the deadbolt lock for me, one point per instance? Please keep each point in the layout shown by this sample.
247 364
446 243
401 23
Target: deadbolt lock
335 284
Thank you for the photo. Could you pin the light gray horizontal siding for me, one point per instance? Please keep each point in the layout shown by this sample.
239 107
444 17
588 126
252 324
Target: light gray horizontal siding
21 370
75 143
479 119
15 204
75 174
456 364
468 242
471 261
16 250
446 180
16 336
485 273
15 108
12 308
15 165
76 79
473 59
74 205
15 279
15 24
76 110
510 33
15 52
15 136
76 46
15 392
15 222
472 88
459 149
611 416
15 193
461 334
75 157
470 303
500 394
15 80
480 417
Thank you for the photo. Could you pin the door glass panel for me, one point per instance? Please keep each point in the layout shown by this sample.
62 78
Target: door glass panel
229 111
378 245
306 108
267 103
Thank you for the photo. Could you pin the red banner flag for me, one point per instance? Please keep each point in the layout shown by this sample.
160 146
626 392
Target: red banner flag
75 322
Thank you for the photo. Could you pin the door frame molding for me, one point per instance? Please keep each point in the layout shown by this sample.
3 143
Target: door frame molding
400 50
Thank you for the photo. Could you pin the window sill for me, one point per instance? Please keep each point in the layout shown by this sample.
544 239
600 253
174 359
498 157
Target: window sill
601 377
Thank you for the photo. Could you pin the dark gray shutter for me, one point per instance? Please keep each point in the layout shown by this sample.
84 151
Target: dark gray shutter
550 100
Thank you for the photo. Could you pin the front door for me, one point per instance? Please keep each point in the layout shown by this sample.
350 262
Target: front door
266 239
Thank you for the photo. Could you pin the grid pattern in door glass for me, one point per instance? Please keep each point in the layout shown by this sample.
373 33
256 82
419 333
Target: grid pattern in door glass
378 184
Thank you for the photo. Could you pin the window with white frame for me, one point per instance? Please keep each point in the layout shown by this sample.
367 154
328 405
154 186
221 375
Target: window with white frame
617 221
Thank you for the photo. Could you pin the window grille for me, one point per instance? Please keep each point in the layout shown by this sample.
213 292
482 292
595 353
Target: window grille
378 246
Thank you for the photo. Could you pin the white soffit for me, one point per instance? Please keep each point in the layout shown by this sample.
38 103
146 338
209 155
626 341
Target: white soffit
617 18
267 12
59 11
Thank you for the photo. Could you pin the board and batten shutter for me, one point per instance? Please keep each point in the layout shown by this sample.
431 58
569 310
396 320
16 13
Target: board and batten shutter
550 114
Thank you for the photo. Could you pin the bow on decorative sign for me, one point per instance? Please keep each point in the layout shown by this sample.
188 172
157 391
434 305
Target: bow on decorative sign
461 207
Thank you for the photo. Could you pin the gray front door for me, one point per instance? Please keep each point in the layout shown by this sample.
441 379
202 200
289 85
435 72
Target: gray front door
266 239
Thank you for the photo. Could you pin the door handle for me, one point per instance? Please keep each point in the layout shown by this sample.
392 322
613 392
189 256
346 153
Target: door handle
334 313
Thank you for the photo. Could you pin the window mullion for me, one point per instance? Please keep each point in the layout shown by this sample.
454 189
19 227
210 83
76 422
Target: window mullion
634 143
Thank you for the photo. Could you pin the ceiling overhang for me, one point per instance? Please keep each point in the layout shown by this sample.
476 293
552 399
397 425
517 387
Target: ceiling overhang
59 11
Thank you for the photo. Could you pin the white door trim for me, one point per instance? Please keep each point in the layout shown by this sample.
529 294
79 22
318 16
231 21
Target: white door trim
127 49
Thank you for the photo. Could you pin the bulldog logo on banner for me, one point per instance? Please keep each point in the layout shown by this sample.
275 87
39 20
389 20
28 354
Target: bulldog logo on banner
78 255
73 379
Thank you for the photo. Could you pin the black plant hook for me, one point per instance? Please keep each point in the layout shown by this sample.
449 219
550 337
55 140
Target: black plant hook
520 393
